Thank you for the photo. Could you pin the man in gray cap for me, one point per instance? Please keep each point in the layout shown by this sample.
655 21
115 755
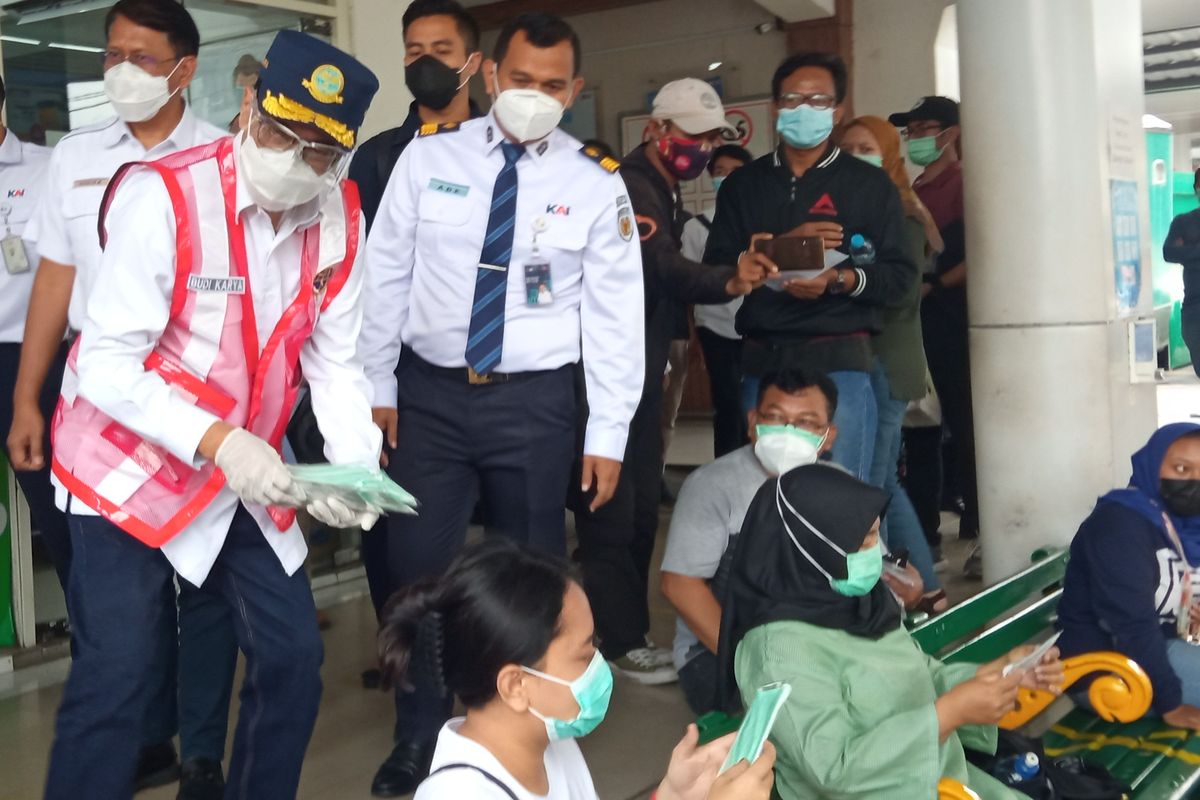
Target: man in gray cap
616 540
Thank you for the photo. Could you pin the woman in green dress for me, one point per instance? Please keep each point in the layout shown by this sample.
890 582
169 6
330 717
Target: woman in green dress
870 715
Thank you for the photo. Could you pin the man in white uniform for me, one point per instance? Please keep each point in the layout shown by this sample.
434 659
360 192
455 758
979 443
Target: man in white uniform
228 268
149 61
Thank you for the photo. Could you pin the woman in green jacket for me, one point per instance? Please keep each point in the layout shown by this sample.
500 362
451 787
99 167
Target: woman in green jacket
870 715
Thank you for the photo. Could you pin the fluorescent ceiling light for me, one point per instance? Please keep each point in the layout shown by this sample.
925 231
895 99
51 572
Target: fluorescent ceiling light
714 66
63 9
80 47
19 40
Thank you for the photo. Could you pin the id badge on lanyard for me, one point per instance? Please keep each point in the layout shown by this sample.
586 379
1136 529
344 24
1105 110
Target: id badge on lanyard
16 261
1187 617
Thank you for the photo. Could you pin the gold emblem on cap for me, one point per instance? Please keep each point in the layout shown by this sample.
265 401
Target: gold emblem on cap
326 84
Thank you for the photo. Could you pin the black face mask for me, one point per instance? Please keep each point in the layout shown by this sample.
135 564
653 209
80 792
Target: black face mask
431 82
1182 497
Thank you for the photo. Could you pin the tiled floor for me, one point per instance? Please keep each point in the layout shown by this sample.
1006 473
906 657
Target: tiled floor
627 754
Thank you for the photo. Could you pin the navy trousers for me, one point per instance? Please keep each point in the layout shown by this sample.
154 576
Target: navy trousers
511 444
119 595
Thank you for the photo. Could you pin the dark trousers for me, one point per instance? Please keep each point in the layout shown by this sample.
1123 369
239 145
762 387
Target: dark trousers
944 326
698 680
119 595
723 360
616 541
922 477
47 519
509 443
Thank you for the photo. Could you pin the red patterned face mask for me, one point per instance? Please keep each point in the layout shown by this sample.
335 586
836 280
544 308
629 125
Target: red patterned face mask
684 158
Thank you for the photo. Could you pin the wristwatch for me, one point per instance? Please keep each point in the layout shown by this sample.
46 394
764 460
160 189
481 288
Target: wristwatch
839 283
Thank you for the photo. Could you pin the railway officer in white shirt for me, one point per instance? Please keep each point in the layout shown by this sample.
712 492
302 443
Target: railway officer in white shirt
150 59
500 247
22 178
229 268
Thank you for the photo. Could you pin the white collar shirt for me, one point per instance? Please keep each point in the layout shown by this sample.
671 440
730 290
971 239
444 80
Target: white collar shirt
81 165
129 309
423 257
22 176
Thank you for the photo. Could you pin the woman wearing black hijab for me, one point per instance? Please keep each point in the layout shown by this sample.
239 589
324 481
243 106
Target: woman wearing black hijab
870 715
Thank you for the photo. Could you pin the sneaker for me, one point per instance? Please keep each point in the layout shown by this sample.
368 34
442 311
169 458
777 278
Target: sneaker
973 568
659 656
201 779
640 665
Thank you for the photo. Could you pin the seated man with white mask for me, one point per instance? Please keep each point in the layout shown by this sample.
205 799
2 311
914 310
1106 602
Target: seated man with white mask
791 425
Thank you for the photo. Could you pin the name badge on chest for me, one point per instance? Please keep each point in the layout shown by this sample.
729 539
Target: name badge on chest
16 260
201 283
539 290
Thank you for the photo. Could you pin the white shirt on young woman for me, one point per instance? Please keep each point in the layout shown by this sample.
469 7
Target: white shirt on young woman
566 771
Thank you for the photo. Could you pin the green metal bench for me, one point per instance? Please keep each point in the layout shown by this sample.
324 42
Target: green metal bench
1158 762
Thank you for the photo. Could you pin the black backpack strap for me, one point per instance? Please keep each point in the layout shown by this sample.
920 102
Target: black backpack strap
705 221
481 771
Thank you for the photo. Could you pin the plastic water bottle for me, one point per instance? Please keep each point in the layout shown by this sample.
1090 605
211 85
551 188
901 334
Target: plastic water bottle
1018 769
861 250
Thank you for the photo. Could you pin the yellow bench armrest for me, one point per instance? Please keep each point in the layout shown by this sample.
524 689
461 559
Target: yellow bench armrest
950 789
1123 694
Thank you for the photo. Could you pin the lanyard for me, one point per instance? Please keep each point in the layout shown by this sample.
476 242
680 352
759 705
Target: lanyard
1184 626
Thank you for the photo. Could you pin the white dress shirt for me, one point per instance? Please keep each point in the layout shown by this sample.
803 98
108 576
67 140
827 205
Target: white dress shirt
718 317
129 309
64 224
423 257
22 178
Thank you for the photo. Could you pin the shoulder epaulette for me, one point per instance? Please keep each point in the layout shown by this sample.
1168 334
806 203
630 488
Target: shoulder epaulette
607 163
431 128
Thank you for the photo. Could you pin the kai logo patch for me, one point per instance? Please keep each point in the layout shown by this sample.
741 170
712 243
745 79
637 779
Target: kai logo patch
201 283
326 84
16 193
558 211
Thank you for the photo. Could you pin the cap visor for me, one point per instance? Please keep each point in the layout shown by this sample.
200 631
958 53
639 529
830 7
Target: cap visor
900 120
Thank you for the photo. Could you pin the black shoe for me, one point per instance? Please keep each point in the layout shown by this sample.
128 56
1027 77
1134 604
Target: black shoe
157 766
201 779
404 769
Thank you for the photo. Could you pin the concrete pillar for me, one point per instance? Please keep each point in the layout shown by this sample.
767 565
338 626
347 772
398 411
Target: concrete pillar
376 39
1045 86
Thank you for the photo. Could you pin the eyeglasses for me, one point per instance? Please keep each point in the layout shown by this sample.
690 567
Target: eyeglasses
921 130
804 423
795 100
322 158
110 58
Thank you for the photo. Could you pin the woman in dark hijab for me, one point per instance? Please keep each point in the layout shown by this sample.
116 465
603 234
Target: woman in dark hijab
1125 584
869 714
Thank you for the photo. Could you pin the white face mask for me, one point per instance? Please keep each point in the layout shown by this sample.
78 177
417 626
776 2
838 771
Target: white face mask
526 114
279 179
781 448
136 94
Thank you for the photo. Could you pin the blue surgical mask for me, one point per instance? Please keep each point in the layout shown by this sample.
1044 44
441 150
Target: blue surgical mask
804 126
874 159
592 690
717 181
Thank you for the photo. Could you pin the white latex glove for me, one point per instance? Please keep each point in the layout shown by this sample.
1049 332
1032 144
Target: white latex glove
255 472
336 514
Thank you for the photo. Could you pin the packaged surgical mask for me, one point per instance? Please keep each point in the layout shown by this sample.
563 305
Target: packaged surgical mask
756 726
360 488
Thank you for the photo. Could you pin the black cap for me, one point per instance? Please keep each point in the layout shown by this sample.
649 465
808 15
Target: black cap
938 109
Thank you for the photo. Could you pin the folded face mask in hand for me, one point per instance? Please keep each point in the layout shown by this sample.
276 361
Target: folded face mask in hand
360 489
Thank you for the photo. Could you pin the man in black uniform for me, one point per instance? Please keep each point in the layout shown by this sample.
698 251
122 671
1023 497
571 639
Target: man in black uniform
441 53
617 539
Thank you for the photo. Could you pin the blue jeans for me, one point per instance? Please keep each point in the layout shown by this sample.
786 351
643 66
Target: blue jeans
1185 660
856 418
901 528
119 593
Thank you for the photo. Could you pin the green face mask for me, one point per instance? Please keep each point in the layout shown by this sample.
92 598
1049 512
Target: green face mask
924 151
863 570
874 159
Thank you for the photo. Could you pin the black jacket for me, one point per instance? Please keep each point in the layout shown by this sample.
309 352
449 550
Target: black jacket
373 162
830 332
1183 247
670 279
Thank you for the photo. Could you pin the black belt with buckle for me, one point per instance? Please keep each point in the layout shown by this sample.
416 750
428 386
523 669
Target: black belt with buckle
469 375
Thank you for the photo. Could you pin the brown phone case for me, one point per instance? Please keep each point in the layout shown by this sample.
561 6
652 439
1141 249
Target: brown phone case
794 252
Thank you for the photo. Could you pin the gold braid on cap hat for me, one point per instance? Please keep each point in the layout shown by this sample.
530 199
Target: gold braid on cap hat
285 108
